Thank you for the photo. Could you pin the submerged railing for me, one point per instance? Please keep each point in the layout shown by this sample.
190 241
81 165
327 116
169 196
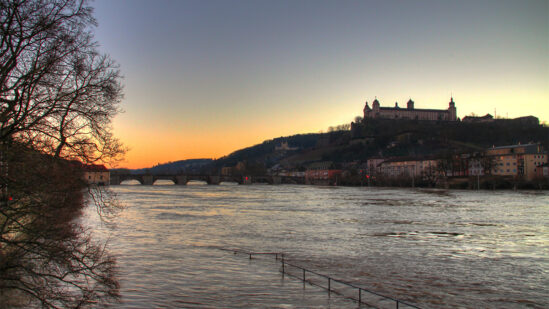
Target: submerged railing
358 294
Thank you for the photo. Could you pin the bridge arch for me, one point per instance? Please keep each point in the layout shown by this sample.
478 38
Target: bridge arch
147 179
197 182
229 182
163 182
130 182
119 179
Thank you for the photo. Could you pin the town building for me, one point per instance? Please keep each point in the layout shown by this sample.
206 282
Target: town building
291 174
373 166
285 147
322 173
376 111
521 161
542 171
545 170
475 167
97 175
455 165
525 121
408 167
227 170
476 119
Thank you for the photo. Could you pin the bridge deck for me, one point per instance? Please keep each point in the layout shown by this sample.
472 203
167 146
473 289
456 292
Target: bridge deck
178 179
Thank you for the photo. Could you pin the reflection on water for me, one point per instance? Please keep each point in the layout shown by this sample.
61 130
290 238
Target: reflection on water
434 248
131 182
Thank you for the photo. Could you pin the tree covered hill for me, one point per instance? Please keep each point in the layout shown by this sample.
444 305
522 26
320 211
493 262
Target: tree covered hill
482 134
373 138
267 154
389 138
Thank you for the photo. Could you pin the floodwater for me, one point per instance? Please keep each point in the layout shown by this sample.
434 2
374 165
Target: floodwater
430 248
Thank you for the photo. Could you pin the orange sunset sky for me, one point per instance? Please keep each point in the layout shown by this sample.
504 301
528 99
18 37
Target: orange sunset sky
206 78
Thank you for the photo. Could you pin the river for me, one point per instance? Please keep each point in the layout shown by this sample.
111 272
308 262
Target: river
431 248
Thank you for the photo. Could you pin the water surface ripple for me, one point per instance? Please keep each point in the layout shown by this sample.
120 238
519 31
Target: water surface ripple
436 249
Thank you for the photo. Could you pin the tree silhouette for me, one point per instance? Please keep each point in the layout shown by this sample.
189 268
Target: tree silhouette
58 95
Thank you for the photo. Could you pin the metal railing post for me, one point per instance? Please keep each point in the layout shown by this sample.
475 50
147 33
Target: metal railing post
304 278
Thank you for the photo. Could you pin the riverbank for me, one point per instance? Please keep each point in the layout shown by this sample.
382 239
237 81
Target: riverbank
462 183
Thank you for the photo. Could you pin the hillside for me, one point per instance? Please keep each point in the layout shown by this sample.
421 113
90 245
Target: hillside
374 138
388 138
483 134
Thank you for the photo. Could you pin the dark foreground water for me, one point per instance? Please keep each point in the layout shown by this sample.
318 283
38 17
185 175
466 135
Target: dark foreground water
435 249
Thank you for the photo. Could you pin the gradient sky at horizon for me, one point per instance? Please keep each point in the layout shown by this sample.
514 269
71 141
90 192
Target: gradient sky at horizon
206 78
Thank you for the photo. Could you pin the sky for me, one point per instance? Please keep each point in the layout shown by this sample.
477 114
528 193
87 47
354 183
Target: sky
205 78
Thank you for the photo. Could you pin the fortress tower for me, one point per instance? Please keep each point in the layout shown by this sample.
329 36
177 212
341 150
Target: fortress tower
452 110
410 104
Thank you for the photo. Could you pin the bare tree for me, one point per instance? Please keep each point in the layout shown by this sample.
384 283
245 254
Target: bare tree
343 127
46 256
58 95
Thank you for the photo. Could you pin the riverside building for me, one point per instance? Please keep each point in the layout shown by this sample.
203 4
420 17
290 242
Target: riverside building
521 161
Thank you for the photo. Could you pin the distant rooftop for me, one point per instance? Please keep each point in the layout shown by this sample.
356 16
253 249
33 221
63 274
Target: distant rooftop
527 148
95 168
514 146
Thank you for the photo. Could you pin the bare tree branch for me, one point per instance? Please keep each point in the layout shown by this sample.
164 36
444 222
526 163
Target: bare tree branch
58 95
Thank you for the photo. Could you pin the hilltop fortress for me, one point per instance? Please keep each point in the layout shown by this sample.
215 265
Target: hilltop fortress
410 112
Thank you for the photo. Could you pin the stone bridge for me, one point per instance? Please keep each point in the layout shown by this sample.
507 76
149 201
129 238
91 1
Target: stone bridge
149 179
